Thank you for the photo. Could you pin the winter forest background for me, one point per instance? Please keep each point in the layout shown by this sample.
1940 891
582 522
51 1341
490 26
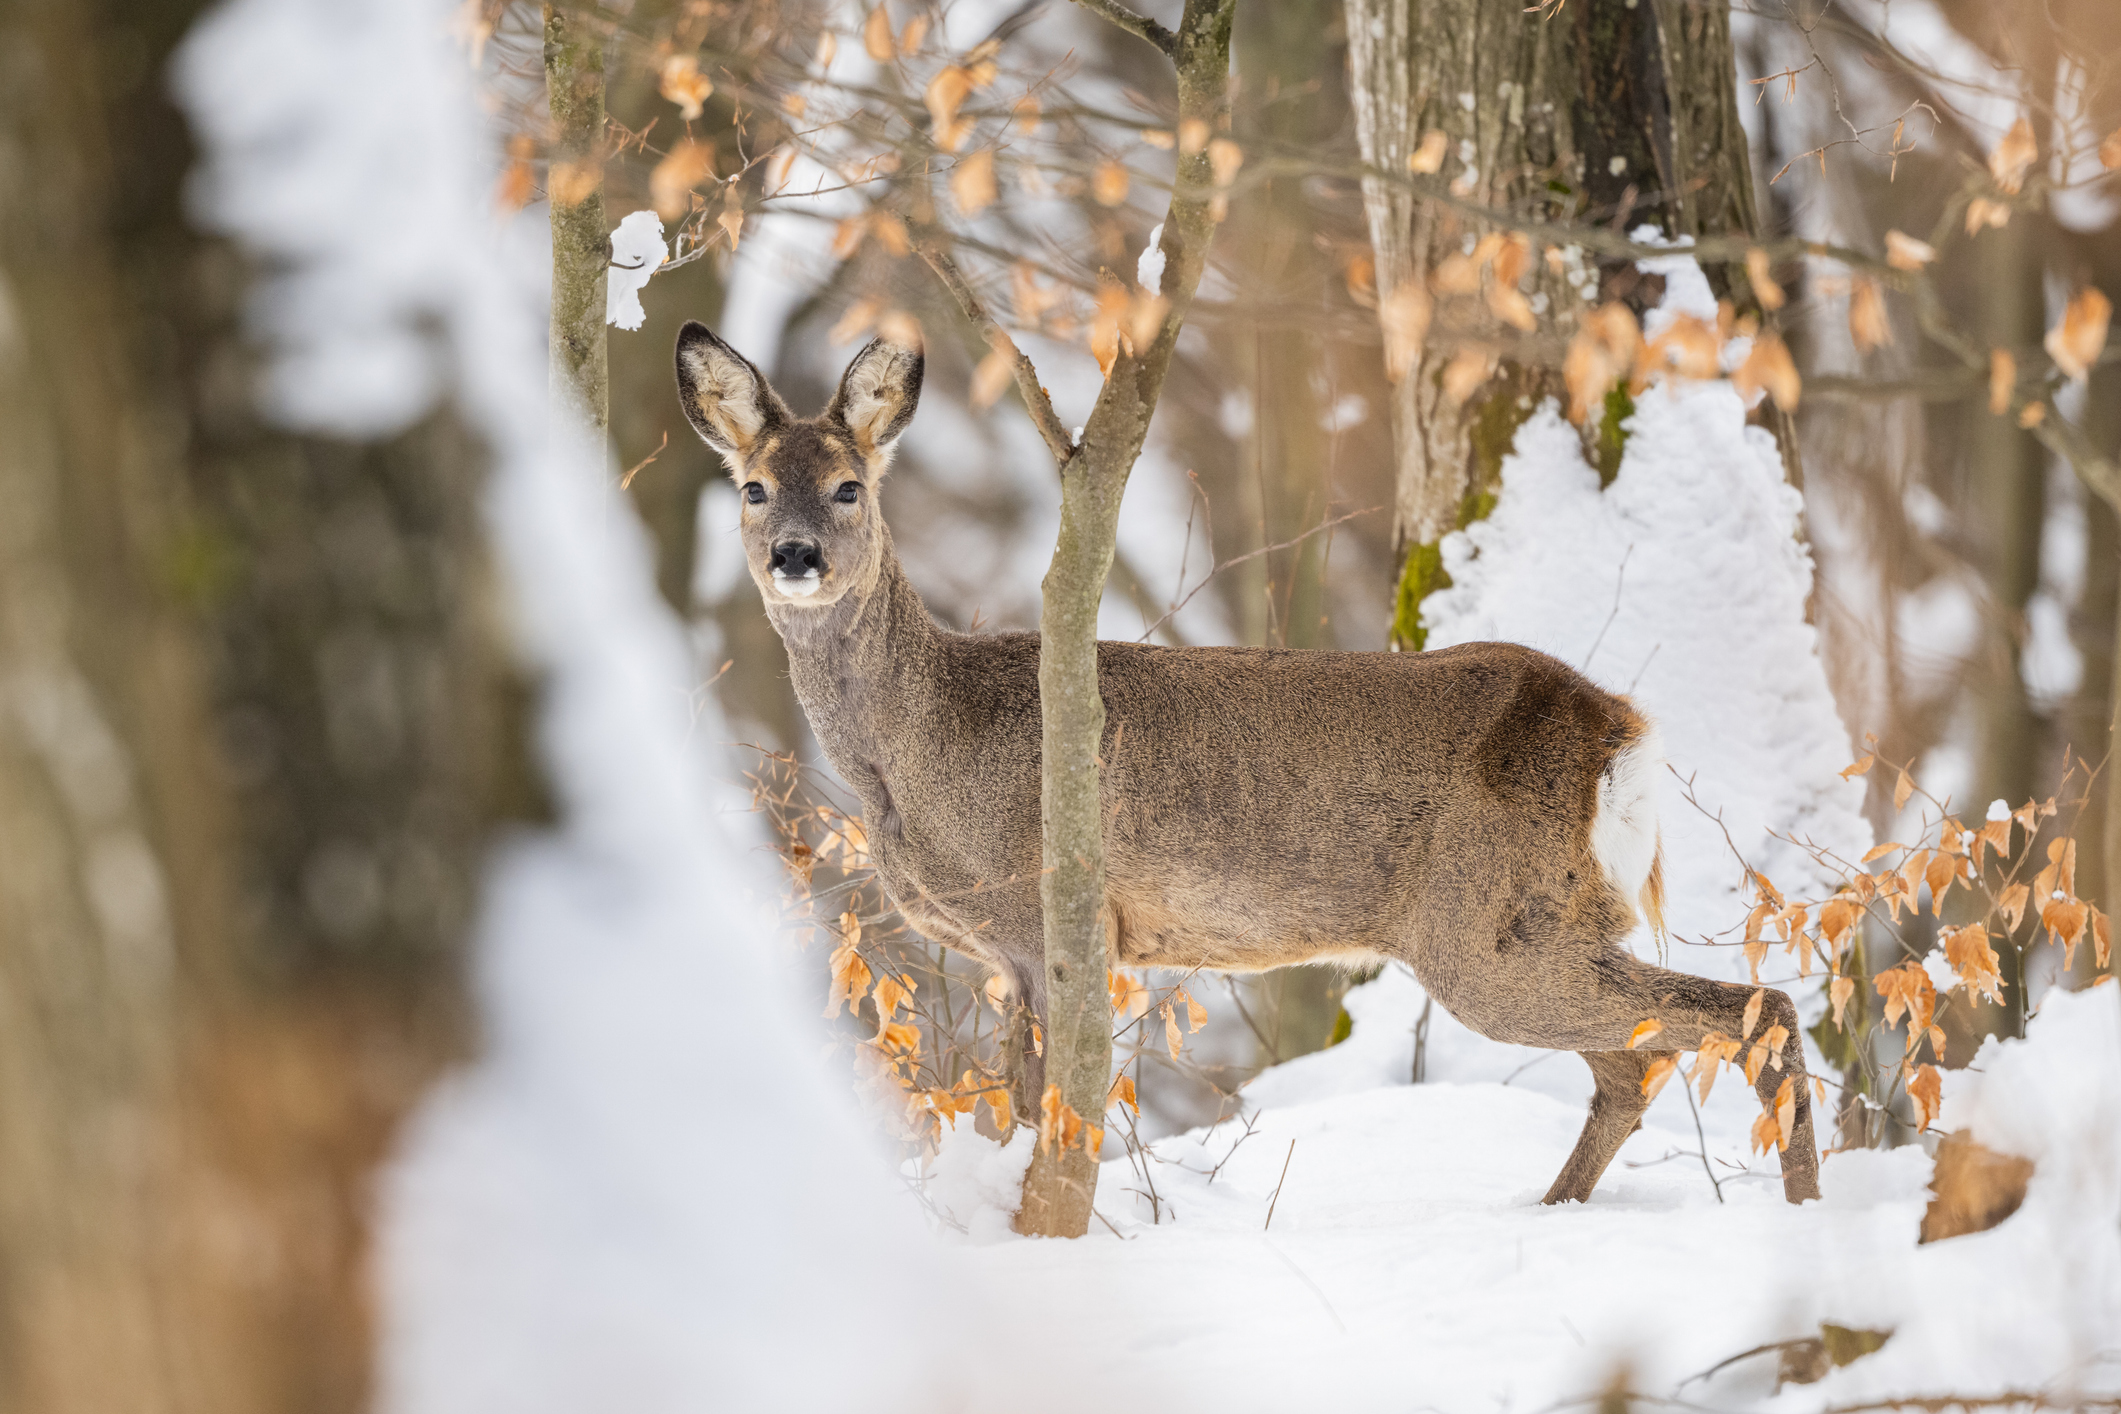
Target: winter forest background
419 886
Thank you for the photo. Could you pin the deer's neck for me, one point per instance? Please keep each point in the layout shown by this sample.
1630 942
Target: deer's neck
862 669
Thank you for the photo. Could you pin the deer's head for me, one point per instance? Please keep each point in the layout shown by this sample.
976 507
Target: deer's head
812 532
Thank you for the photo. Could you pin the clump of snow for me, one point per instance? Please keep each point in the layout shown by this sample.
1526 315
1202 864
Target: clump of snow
637 252
1149 270
976 1184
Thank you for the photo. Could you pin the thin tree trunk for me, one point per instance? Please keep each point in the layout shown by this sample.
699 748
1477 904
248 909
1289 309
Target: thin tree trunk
1061 1183
1281 55
1602 113
581 242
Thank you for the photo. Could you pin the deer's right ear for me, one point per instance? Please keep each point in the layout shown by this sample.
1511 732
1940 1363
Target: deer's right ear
726 399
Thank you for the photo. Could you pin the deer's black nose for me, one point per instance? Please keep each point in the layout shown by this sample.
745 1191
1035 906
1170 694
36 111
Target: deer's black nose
797 558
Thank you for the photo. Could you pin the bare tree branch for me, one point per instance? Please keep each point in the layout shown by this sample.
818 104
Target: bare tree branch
1140 26
1036 402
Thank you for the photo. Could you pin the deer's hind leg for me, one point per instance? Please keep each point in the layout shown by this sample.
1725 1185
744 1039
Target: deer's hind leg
1616 1112
1623 991
1591 1001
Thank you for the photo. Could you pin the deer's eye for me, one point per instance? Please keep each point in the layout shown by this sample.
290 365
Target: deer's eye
849 493
754 493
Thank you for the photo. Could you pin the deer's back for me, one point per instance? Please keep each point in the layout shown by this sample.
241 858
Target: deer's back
1267 805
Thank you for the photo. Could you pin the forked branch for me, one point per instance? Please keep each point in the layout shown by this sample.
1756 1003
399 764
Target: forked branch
1036 402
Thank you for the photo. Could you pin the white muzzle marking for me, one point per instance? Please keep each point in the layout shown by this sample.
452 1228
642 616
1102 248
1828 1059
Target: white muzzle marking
797 586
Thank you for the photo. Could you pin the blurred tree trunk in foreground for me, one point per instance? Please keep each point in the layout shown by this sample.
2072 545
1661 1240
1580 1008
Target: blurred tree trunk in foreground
255 730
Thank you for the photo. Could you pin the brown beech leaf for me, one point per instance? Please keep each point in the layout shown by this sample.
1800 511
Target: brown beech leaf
1468 369
1766 1134
1025 115
1602 353
1859 768
2014 156
1172 1040
2076 342
1904 789
1926 1088
1869 324
850 978
572 183
1904 252
1775 1038
1404 319
1109 183
1836 917
1686 349
2060 875
1981 212
972 182
1224 159
1659 1072
1768 366
1942 870
670 183
1505 300
1756 1058
682 83
1752 1011
892 993
1648 1030
1427 159
1757 270
950 87
1842 989
1979 969
994 373
2002 378
2064 919
1122 1093
876 36
1785 1111
2102 939
2011 904
1196 1014
1880 851
916 30
1192 137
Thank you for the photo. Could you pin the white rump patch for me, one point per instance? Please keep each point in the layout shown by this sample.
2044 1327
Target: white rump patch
1624 831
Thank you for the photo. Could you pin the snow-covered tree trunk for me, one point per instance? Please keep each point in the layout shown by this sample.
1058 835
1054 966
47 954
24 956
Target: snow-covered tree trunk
1602 114
574 187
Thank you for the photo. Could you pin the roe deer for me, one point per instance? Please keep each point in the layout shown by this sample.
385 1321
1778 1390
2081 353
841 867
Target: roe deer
1484 814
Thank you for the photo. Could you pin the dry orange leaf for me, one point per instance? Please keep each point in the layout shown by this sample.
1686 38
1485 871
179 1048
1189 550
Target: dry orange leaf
2011 904
1122 1093
1858 768
1880 851
1752 1011
1926 1088
950 87
1904 789
1648 1030
1172 1041
732 218
1163 139
682 83
513 191
1467 371
1904 252
1427 159
1839 993
1659 1072
2002 378
2064 919
1192 137
1785 1112
916 30
991 379
1982 212
1107 325
1404 319
1775 1038
972 183
850 978
1768 366
1967 950
1108 184
1868 324
572 183
1686 349
1602 353
2060 875
670 184
1505 300
2076 342
876 36
2014 157
1757 270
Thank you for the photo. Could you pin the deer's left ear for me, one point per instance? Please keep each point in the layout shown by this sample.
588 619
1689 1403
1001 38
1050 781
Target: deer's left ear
878 394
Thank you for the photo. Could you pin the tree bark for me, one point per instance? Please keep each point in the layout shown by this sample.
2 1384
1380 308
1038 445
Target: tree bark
581 239
1061 1183
1601 113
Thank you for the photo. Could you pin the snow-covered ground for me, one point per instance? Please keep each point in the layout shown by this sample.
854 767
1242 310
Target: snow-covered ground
1409 1266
